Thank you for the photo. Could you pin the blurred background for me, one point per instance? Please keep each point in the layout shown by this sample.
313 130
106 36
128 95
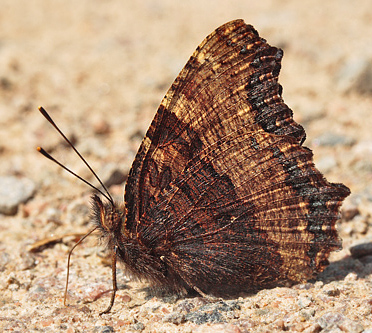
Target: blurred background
101 69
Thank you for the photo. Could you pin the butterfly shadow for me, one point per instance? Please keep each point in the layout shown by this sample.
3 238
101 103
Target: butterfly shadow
338 270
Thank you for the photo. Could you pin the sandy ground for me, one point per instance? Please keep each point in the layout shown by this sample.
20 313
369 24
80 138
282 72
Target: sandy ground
101 68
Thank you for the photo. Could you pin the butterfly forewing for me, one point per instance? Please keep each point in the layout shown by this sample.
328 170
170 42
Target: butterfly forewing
222 84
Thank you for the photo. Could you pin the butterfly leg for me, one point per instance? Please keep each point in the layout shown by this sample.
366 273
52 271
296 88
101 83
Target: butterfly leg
114 284
209 298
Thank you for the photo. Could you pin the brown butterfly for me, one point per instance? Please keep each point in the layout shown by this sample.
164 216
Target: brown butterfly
222 196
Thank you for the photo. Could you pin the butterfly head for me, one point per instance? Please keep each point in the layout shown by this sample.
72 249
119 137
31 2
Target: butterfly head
108 217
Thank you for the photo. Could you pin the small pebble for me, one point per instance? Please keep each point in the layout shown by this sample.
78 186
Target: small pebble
315 328
367 261
349 211
355 75
5 83
137 327
318 284
362 148
332 140
307 314
5 259
113 174
349 325
103 329
326 164
351 277
174 318
204 317
331 290
28 261
360 224
361 250
186 306
126 298
304 302
304 286
100 126
212 312
13 192
330 319
78 214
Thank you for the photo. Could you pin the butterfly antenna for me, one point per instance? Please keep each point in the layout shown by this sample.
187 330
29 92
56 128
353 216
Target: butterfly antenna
107 195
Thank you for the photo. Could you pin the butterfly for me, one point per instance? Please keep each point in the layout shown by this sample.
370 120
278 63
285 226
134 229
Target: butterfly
222 196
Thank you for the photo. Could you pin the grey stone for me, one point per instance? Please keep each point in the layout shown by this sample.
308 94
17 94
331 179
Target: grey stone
326 164
113 174
349 325
315 328
332 139
349 211
137 327
330 319
212 313
174 318
103 329
14 191
307 314
355 75
360 224
337 322
304 302
331 290
361 250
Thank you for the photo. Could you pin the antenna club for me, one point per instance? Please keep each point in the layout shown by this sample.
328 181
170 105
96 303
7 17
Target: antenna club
46 115
42 110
